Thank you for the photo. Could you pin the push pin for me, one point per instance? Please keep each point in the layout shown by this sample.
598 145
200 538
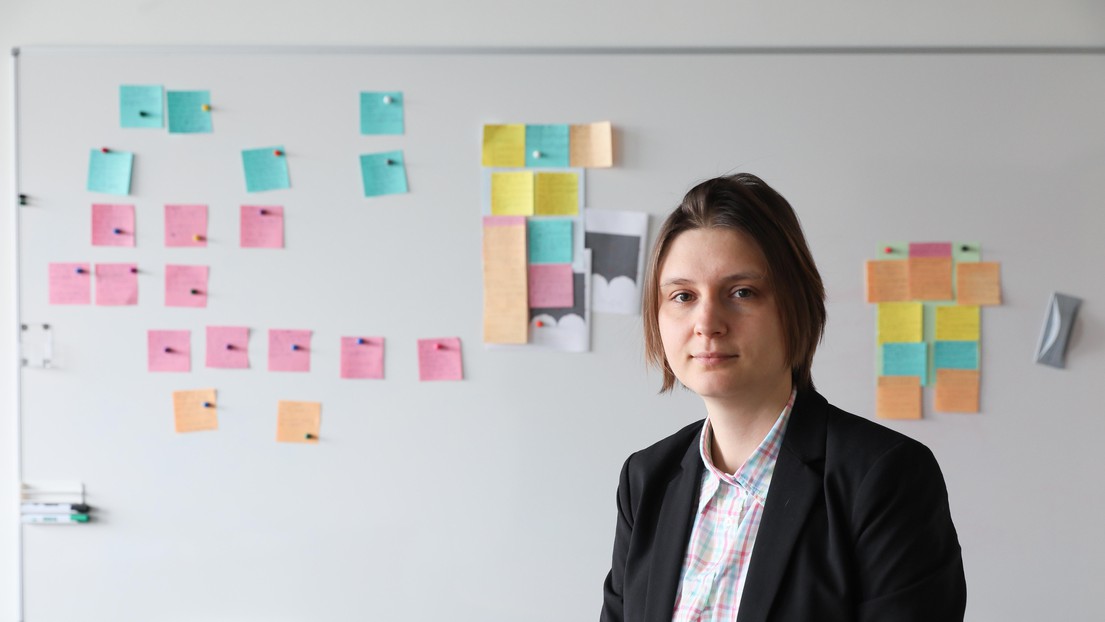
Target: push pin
309 436
536 154
277 152
229 346
295 346
80 270
197 238
143 113
206 107
194 292
360 341
964 248
540 324
133 270
438 346
168 350
888 250
207 404
390 162
22 199
104 150
117 231
264 212
387 99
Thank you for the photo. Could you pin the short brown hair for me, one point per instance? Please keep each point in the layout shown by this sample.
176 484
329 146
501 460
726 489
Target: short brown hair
745 203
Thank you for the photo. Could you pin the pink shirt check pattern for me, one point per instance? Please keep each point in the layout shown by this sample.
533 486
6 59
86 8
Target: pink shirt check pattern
725 528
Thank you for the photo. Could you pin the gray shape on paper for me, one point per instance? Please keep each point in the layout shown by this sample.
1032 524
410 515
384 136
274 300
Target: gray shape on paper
613 254
578 307
1061 312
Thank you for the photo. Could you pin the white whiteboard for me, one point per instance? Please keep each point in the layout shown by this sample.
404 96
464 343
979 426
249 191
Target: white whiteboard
492 499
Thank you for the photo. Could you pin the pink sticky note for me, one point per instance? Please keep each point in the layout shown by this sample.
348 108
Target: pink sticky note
116 284
504 221
112 225
170 350
185 286
70 284
550 286
289 350
362 357
185 225
930 249
228 347
439 359
262 226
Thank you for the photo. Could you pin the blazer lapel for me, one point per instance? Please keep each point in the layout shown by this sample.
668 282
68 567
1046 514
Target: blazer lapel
673 531
794 488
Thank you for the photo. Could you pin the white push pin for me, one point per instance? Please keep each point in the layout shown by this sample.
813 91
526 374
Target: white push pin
387 99
537 154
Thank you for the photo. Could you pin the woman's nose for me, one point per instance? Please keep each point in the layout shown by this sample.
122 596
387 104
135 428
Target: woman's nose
709 320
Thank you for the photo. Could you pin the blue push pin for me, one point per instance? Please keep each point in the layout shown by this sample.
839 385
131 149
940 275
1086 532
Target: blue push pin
80 270
360 341
229 346
295 347
207 404
117 231
168 350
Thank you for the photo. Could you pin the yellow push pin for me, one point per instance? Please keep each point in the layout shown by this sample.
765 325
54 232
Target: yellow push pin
197 238
206 107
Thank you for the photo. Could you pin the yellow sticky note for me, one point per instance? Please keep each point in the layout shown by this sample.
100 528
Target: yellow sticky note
512 193
898 397
556 194
957 390
298 422
957 323
505 288
887 280
195 410
978 283
504 145
591 145
901 322
930 278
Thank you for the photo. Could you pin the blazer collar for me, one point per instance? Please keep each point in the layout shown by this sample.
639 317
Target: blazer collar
673 532
795 486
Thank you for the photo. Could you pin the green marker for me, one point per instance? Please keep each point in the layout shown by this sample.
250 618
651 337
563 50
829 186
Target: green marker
54 519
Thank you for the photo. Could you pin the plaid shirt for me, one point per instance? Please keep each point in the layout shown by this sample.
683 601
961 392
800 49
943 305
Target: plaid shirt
725 527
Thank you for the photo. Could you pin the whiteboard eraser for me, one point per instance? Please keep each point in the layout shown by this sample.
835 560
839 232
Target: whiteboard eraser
1061 312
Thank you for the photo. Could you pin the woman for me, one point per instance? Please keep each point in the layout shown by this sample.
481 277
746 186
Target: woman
778 506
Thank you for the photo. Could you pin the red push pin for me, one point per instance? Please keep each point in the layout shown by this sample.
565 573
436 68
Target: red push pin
265 212
168 350
133 270
277 152
229 346
888 250
439 346
104 150
540 324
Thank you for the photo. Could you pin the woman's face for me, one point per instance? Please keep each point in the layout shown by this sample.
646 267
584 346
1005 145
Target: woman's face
717 317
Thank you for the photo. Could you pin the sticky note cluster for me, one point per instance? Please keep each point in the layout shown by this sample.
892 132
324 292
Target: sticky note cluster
928 328
557 146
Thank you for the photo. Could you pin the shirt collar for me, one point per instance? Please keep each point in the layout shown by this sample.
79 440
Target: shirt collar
754 475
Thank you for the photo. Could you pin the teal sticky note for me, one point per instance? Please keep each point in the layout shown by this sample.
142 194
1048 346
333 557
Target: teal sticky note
189 112
383 173
955 355
266 168
140 106
905 359
549 240
110 172
382 112
547 145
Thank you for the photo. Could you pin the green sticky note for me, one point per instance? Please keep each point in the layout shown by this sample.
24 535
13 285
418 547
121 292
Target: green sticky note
110 172
549 240
955 355
140 106
382 112
189 112
266 168
547 145
905 359
383 173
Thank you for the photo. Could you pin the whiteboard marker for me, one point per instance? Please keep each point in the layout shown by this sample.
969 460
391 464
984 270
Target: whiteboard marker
54 508
54 519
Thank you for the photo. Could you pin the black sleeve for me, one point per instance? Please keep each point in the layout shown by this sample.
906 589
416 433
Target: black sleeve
612 589
907 552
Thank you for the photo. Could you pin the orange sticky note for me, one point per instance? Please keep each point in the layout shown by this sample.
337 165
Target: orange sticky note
195 410
957 390
930 278
591 145
898 397
298 422
978 283
887 280
505 282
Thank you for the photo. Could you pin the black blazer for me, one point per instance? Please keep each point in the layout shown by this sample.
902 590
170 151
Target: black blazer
856 527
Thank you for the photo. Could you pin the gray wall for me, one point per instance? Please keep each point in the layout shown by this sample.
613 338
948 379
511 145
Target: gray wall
724 23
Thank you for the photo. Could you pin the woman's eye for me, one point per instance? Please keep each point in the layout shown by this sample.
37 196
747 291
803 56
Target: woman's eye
681 297
743 292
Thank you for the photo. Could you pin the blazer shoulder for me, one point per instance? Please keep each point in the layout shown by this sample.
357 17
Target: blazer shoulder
665 454
860 443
